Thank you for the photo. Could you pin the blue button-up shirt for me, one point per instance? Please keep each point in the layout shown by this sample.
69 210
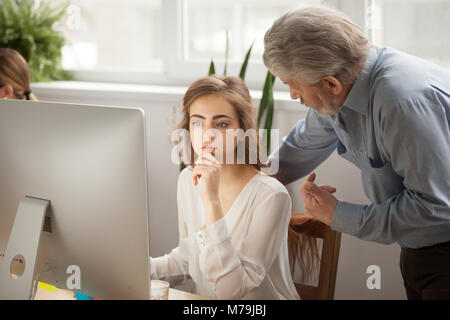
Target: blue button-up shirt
394 126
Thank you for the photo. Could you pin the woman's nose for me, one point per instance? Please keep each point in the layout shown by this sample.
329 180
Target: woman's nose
208 138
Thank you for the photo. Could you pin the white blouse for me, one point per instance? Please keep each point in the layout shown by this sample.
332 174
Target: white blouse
244 255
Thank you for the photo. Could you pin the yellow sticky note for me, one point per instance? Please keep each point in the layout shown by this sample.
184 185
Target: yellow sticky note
47 287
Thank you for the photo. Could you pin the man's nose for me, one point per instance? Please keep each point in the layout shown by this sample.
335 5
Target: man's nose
294 95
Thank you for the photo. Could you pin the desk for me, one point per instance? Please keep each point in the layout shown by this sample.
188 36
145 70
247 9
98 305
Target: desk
62 294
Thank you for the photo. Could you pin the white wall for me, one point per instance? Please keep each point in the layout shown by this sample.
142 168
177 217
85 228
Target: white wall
162 105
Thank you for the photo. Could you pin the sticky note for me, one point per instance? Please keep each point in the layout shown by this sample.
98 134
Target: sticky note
80 296
47 287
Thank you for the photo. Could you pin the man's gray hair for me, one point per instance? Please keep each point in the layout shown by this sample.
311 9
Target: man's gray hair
309 43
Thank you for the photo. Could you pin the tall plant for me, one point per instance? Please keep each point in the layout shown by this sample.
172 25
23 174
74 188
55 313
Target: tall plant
266 106
28 26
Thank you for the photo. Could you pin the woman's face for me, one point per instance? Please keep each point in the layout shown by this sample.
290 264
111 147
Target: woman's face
210 117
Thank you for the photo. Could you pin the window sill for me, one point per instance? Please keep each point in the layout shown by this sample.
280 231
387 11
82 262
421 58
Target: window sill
136 92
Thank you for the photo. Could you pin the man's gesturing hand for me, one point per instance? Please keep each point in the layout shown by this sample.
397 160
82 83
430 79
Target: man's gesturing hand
318 201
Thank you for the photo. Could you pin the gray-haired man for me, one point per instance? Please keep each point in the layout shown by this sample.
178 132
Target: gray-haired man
388 113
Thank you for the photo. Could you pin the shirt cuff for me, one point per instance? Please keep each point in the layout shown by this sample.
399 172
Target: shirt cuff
347 217
213 235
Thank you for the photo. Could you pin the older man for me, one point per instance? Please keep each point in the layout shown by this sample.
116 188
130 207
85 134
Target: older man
388 113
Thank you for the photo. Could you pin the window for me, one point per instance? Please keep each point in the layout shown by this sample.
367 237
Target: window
167 42
113 35
200 36
204 34
419 27
171 42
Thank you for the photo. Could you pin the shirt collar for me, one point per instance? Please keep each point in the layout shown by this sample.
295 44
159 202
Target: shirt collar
358 96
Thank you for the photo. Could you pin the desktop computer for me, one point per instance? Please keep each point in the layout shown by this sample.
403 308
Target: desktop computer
73 199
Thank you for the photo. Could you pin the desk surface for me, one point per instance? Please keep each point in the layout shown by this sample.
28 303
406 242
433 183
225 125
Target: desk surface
62 294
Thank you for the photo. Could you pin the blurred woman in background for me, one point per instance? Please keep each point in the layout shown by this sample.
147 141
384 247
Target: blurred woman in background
14 76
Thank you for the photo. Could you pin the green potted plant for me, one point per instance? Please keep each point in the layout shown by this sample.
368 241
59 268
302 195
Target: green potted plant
29 27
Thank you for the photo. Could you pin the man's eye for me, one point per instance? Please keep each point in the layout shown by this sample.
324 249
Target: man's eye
222 124
197 123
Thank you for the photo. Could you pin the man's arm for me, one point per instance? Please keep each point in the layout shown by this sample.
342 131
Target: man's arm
416 137
309 143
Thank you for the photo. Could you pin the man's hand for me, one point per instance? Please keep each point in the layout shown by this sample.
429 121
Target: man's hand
318 201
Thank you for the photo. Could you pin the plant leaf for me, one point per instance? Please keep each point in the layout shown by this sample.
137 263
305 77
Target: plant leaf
263 101
212 68
245 63
268 83
269 117
226 54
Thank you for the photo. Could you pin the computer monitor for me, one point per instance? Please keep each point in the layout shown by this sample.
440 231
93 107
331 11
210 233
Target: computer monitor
89 164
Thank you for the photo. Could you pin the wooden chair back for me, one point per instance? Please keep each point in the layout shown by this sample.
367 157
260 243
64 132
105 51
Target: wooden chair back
328 261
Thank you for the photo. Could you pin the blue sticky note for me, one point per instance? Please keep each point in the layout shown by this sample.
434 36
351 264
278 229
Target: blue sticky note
80 296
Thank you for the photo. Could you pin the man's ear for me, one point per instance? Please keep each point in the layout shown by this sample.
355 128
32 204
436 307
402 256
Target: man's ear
331 84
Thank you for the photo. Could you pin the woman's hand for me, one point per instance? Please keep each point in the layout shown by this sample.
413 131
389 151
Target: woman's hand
208 169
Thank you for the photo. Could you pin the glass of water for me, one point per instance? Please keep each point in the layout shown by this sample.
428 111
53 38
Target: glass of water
159 290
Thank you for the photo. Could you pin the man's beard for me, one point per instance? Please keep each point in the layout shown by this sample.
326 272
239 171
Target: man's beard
330 106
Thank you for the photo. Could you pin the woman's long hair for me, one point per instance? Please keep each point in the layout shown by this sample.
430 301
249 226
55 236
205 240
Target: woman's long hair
303 249
302 244
14 71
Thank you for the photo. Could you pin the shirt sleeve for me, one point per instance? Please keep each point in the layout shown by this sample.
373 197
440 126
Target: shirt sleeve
308 144
174 267
416 137
234 272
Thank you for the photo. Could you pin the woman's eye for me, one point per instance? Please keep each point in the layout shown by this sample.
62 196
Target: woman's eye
197 123
222 124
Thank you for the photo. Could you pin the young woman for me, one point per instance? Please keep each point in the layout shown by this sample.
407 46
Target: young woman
233 219
14 76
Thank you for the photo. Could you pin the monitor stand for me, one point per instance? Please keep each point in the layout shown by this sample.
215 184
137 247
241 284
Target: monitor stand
24 241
